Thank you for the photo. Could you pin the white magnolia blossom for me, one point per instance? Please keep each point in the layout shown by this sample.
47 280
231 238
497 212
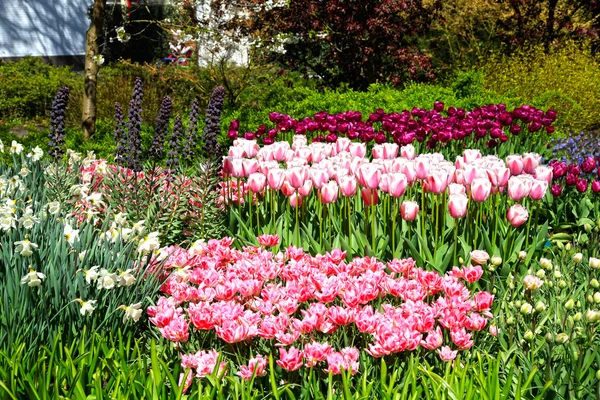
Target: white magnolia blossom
149 243
25 247
33 278
70 234
16 147
36 153
133 312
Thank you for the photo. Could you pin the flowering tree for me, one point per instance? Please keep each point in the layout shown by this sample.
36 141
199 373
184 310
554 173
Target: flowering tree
342 41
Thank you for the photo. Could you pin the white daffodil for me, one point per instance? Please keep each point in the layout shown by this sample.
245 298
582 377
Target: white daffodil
120 218
133 312
70 234
87 307
106 280
91 274
33 278
53 207
126 278
25 247
95 199
149 243
28 220
1 147
7 222
90 215
24 172
138 227
81 255
16 147
36 153
126 233
101 167
16 183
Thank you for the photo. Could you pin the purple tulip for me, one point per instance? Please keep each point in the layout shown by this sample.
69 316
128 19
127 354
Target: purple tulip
556 190
596 186
581 185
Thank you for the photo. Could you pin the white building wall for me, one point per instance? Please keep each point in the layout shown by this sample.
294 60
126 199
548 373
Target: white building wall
43 27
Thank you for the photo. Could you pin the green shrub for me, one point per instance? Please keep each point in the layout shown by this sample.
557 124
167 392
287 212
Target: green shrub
567 80
28 87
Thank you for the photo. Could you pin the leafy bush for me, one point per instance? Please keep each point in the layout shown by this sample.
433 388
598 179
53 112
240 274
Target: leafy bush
28 87
566 80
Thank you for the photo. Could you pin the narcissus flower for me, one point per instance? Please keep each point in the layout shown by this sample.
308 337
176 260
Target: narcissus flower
70 234
87 307
149 243
133 312
25 247
33 278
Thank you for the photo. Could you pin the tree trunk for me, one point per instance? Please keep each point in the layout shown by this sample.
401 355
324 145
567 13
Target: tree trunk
550 24
88 117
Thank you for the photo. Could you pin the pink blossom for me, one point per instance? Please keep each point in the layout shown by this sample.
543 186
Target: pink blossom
446 354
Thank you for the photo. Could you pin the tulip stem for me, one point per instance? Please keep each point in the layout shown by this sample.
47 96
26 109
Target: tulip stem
435 221
495 214
250 208
528 228
455 240
349 225
373 220
297 227
394 216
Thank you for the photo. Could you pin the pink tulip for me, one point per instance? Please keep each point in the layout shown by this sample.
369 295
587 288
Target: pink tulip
408 169
250 147
280 150
422 167
437 181
470 155
257 182
517 215
291 359
348 185
304 152
446 354
396 183
409 210
296 176
233 166
275 178
460 162
480 189
434 339
455 188
408 151
544 173
287 189
499 176
236 152
383 183
368 176
538 189
518 188
319 177
295 200
515 164
358 149
370 196
530 162
329 192
470 173
250 166
480 257
268 240
342 144
457 205
306 188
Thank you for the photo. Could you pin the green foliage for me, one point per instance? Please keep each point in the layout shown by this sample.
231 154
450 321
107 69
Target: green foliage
28 87
566 80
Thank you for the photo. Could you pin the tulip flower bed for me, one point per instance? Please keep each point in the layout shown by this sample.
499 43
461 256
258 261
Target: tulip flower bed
397 204
437 128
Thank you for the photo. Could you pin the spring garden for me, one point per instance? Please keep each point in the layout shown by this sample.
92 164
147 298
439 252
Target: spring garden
253 232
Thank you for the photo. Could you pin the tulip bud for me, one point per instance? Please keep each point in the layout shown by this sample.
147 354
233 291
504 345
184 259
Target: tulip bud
569 304
529 336
511 285
510 321
592 316
594 263
549 337
517 304
550 284
526 309
522 255
587 228
590 298
461 260
568 246
562 284
560 245
577 317
557 274
540 306
545 263
594 283
496 261
562 338
598 374
570 322
541 274
597 297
